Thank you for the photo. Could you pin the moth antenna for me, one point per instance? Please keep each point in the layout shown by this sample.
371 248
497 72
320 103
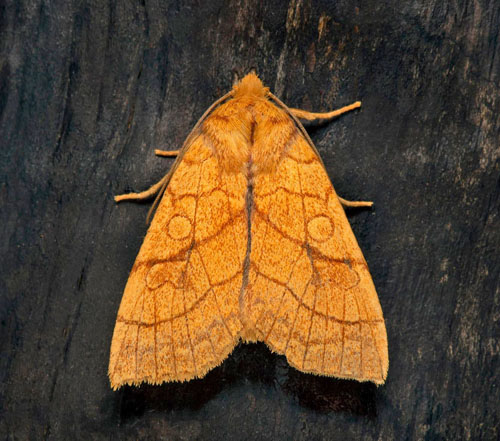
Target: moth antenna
182 151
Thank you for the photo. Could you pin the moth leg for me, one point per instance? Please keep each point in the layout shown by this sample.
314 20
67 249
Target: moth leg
309 116
352 204
150 192
166 153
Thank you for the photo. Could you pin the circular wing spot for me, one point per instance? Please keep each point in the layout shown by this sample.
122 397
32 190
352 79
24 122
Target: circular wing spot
320 228
179 227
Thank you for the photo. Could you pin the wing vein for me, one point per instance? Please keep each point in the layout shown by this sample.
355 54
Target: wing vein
296 314
124 339
172 332
324 338
215 295
261 316
343 335
308 252
374 342
137 338
188 261
310 326
187 331
283 296
260 258
360 335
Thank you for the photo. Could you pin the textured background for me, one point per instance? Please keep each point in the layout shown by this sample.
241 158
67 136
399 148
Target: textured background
89 88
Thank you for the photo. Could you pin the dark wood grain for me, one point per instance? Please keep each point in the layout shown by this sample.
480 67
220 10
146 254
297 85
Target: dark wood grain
88 89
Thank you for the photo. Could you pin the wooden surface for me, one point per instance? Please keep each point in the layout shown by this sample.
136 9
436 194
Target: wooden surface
88 89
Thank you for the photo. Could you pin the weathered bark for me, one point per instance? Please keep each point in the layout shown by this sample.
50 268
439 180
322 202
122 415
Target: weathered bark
88 89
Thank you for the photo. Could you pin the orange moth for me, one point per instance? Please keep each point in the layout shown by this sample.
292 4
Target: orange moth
249 242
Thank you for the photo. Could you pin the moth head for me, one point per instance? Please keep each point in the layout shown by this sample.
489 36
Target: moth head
250 85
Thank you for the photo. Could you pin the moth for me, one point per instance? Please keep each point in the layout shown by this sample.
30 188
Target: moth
249 242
